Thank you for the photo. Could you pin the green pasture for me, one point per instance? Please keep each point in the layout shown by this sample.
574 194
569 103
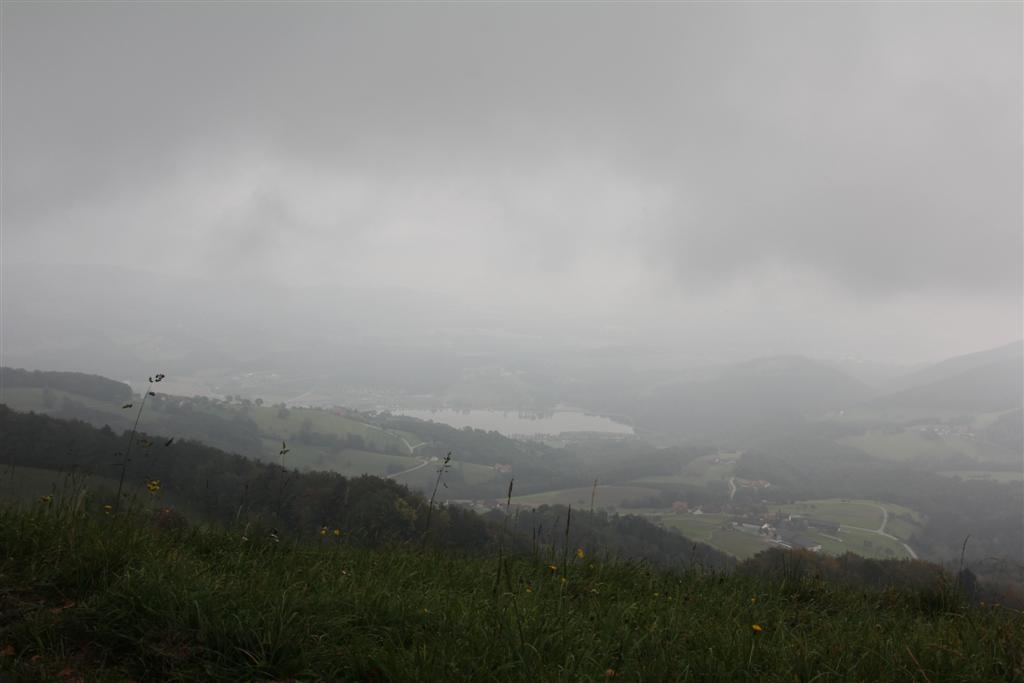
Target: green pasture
737 543
855 513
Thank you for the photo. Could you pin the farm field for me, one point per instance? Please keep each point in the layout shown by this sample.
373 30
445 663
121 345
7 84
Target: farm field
737 543
861 513
869 545
607 497
862 543
836 511
697 527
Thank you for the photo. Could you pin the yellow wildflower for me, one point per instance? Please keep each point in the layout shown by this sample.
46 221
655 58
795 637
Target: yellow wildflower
553 567
579 553
757 628
153 485
337 532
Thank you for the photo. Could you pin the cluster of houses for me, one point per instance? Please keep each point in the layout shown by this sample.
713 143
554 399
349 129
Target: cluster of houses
787 531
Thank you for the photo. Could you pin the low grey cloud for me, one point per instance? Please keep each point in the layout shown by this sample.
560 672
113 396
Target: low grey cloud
810 177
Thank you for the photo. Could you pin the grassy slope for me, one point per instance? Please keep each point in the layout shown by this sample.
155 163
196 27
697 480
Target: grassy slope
27 484
108 599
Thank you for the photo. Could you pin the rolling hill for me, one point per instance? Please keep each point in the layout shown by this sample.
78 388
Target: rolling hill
991 387
957 365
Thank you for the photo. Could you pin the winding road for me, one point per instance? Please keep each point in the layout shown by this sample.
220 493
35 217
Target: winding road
423 463
412 449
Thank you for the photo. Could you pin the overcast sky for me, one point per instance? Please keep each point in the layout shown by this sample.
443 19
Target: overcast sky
812 178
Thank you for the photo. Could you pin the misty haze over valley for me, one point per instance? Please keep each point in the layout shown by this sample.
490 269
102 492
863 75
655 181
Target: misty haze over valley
726 290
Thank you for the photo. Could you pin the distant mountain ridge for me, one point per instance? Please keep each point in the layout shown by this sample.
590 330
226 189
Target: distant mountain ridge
983 382
957 365
989 388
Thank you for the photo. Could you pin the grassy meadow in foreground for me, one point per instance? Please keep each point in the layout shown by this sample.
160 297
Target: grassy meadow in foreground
101 597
